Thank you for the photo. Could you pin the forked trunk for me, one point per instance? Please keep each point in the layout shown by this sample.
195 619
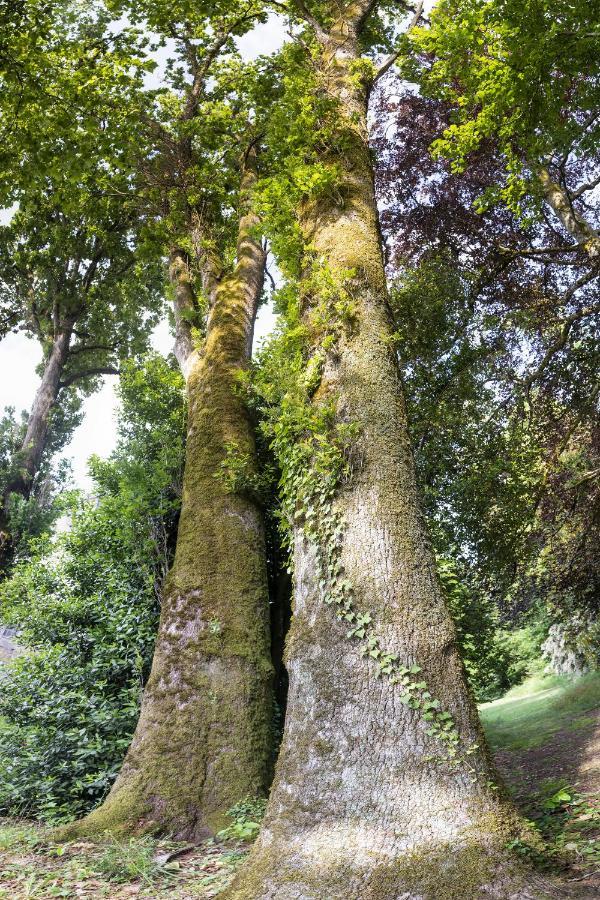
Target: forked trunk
203 740
30 455
366 804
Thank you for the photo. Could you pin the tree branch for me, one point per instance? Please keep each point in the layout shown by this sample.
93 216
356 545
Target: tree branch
305 13
90 348
558 199
387 64
589 186
86 373
537 251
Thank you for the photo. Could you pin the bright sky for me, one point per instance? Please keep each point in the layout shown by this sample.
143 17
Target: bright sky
19 355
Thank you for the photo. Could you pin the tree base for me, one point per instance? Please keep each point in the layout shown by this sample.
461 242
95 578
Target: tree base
317 866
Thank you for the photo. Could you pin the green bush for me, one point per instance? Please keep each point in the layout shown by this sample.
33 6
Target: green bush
86 606
476 621
522 650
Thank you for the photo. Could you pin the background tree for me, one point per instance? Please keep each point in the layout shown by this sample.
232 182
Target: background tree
516 206
73 271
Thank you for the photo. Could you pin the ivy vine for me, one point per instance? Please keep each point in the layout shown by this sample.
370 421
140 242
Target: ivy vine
313 449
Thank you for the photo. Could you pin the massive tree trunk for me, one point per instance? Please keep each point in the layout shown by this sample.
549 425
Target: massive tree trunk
204 737
366 804
30 455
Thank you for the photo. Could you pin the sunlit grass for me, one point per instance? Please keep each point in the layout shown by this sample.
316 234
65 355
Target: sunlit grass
530 713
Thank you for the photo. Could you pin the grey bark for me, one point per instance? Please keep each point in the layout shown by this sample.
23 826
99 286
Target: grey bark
362 805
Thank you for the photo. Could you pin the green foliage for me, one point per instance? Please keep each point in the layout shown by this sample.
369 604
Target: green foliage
246 818
237 474
476 619
86 606
477 470
523 72
522 649
32 516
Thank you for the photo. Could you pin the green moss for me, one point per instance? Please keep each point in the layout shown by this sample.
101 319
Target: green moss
457 870
204 738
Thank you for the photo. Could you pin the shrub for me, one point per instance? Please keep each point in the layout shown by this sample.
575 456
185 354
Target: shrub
86 606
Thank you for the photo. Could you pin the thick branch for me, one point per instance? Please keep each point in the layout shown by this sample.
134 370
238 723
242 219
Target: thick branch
387 64
583 188
90 348
305 13
86 373
571 220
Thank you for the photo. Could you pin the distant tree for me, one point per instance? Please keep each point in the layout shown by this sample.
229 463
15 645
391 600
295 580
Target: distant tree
79 286
75 271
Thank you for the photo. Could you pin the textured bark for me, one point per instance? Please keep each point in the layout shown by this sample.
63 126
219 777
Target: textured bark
570 219
359 809
30 454
184 309
203 741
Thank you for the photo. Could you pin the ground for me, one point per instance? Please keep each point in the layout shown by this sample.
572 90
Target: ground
546 739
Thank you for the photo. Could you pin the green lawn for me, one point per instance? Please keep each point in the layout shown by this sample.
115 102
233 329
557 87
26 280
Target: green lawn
532 712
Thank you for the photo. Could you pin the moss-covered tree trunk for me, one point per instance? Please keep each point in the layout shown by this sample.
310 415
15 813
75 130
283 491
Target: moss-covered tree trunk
27 463
203 741
365 803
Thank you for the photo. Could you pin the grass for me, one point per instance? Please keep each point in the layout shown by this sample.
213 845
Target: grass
32 866
528 715
525 725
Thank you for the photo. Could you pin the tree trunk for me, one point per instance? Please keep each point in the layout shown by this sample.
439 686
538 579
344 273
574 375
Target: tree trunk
570 219
184 309
30 454
365 803
204 737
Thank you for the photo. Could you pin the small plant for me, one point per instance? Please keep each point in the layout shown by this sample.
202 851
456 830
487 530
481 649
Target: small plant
237 474
123 862
246 817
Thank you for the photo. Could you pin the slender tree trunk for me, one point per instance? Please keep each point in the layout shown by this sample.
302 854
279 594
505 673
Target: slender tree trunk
203 740
365 803
30 455
184 308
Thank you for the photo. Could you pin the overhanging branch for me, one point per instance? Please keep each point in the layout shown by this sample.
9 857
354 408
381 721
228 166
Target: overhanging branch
387 64
87 373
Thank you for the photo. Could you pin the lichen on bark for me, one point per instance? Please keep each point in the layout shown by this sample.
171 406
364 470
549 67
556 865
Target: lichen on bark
203 740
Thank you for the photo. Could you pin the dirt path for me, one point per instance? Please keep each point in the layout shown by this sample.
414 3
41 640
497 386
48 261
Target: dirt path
572 754
570 757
